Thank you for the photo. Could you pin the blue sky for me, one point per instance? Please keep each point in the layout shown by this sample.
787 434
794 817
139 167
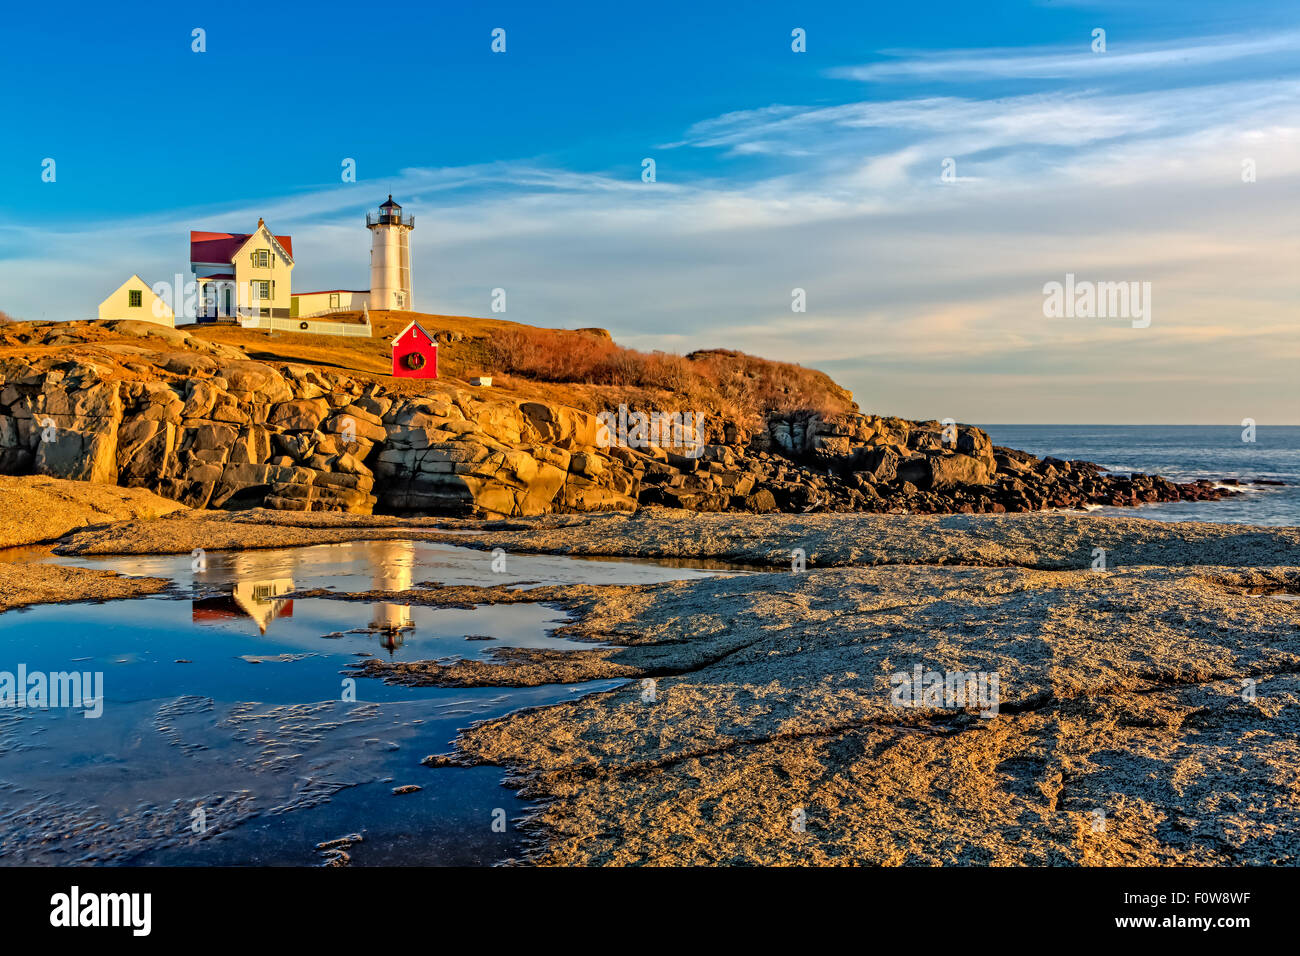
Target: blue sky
776 170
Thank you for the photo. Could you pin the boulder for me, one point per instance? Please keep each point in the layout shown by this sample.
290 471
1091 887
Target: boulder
915 471
541 490
879 464
760 501
200 396
299 415
72 448
951 471
260 382
145 448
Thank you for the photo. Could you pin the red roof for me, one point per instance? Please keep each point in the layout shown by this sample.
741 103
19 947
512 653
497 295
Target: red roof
222 246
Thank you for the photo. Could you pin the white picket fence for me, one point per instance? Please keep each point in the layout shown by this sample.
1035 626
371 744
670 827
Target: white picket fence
306 326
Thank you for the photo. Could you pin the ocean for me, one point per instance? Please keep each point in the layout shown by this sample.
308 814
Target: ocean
1182 453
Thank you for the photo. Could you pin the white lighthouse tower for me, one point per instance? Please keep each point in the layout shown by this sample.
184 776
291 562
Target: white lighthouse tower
390 257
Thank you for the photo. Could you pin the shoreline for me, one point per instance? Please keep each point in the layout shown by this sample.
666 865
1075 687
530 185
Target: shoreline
203 424
754 698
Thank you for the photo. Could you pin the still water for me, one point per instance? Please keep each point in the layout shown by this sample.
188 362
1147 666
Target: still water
228 734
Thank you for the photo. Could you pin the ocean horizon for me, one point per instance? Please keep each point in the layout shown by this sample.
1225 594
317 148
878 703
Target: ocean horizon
1182 453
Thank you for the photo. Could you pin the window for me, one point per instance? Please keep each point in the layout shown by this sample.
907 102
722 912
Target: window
261 289
334 300
134 298
262 259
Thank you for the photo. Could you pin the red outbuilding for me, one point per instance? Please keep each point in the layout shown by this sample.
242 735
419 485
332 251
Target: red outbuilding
415 353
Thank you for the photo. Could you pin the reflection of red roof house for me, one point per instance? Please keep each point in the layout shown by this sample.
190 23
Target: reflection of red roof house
227 609
256 599
222 246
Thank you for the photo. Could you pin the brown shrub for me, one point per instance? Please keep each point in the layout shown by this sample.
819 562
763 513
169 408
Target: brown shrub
551 356
734 383
766 386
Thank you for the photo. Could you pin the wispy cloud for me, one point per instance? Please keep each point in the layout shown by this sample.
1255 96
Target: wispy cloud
1080 63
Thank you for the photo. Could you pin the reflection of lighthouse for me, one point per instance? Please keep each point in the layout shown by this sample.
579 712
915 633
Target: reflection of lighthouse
390 257
392 561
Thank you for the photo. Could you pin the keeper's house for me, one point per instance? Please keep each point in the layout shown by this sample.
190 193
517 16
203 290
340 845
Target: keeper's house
242 275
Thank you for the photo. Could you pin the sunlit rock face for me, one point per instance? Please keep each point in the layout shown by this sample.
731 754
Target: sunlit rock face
201 423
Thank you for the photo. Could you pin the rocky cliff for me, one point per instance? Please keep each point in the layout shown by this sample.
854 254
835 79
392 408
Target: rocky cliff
204 424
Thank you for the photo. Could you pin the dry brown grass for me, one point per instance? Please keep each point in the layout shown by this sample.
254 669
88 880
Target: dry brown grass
582 368
739 384
752 382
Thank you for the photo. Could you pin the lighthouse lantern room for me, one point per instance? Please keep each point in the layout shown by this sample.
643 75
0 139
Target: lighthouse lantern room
390 257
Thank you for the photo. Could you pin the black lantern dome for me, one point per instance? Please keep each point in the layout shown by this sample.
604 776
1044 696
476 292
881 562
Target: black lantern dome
390 214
